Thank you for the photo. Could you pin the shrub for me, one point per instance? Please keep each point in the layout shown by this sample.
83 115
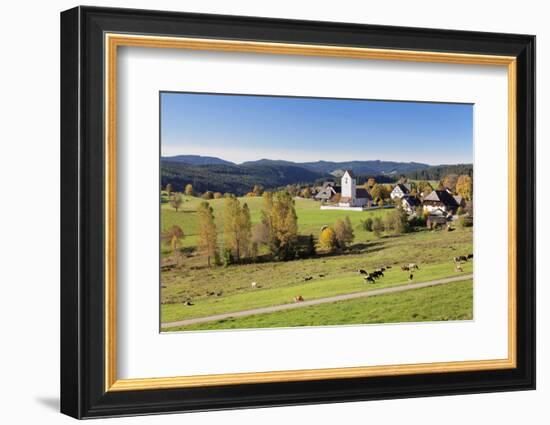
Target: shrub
377 226
367 224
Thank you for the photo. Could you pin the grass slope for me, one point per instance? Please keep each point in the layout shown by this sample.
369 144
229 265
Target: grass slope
452 301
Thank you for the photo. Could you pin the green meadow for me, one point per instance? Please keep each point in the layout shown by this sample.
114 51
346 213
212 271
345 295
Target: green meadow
215 290
452 301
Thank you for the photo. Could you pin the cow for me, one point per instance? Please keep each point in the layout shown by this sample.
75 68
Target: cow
369 278
405 268
378 273
458 268
413 266
460 259
307 278
298 299
411 277
253 284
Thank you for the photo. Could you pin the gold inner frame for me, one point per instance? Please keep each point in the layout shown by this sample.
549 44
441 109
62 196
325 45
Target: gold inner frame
113 41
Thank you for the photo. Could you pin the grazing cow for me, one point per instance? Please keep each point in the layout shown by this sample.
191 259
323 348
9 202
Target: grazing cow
413 266
378 273
411 277
369 278
460 259
308 278
470 256
219 294
254 284
361 271
388 267
188 302
321 275
405 268
211 293
298 299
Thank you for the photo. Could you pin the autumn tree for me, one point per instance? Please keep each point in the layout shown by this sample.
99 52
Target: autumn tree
207 195
172 238
397 221
306 192
465 187
425 188
207 239
169 189
279 215
327 239
370 183
237 228
217 195
380 191
258 190
245 227
189 189
449 181
344 232
176 201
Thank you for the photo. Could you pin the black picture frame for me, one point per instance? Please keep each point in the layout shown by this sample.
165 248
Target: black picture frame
83 392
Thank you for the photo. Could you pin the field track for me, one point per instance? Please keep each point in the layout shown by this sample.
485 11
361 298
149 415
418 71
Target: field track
344 297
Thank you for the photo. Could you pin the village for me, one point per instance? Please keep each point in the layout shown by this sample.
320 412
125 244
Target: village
438 206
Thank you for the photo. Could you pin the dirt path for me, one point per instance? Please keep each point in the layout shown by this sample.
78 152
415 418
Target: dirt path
343 297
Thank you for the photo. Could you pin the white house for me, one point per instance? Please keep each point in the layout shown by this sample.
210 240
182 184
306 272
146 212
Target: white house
440 200
351 196
400 190
409 203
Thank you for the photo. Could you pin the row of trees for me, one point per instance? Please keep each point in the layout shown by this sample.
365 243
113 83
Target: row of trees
397 222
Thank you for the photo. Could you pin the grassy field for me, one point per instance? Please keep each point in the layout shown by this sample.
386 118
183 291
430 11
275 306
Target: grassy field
451 301
279 282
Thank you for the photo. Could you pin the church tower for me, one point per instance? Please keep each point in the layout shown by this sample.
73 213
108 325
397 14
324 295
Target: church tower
348 185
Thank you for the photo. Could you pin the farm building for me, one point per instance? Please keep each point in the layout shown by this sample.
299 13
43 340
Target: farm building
400 190
410 203
440 200
326 192
437 218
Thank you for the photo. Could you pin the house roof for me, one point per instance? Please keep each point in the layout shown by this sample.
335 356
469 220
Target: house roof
413 201
442 196
405 188
362 193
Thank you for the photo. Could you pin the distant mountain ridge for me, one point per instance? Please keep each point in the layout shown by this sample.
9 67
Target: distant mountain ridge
218 175
196 160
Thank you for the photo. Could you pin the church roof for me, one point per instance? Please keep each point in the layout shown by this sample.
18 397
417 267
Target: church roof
350 172
362 193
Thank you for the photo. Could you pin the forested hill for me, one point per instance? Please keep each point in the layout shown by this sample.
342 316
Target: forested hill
237 179
439 171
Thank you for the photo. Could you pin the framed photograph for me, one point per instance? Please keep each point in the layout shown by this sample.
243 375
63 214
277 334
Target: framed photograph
261 212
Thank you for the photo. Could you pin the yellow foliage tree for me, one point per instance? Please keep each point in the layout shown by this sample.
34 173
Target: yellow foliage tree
328 240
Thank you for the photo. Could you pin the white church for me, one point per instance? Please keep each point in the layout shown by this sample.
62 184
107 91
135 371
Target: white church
351 197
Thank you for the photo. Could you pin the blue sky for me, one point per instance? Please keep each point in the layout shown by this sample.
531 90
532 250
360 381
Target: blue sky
244 128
